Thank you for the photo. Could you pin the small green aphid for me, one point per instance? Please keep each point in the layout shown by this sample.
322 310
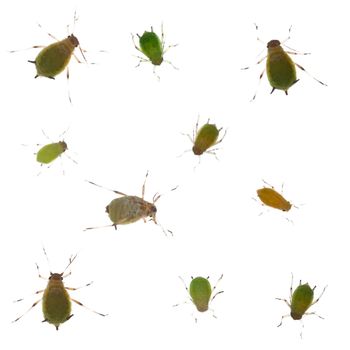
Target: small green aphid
205 138
153 48
280 68
129 209
201 293
270 197
56 301
301 299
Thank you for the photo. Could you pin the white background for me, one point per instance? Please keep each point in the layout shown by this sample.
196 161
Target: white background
123 122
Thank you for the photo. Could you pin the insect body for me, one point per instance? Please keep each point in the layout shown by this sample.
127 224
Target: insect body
301 299
205 138
53 59
56 301
153 48
201 293
50 152
280 68
271 198
129 209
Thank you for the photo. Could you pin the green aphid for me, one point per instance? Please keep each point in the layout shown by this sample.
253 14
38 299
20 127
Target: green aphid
301 299
56 301
201 293
129 209
50 152
280 68
205 138
153 48
54 59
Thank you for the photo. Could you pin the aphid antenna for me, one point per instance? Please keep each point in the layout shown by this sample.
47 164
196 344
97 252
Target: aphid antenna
214 288
257 38
284 316
108 189
71 260
144 186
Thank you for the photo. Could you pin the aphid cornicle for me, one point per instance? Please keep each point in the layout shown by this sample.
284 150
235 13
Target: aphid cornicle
201 292
280 68
56 301
129 209
301 299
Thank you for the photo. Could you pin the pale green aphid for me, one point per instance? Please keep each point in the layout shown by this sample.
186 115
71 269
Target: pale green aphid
201 293
153 48
56 301
50 152
129 209
301 299
280 68
205 138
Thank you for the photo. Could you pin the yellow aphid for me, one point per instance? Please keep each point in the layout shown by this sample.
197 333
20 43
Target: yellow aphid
270 197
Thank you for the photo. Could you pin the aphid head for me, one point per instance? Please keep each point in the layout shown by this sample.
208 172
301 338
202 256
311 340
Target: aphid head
197 151
152 211
63 145
295 316
56 276
74 40
158 61
273 43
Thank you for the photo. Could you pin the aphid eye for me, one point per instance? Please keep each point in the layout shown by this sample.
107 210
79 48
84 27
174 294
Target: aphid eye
154 209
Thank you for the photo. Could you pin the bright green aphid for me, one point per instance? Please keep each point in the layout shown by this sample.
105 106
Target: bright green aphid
50 152
129 209
205 138
280 68
301 299
153 48
201 292
56 301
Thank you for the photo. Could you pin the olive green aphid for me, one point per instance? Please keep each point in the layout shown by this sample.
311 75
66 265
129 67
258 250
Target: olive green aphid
301 299
53 59
271 198
201 292
280 68
50 152
205 138
129 209
56 301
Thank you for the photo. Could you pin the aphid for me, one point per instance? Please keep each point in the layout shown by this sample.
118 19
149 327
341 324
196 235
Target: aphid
205 138
153 48
270 197
54 59
56 301
201 293
280 68
49 152
300 301
129 209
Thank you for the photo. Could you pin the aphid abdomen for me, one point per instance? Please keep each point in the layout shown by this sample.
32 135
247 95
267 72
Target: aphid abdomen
301 300
200 292
127 209
280 69
151 46
56 303
54 58
49 153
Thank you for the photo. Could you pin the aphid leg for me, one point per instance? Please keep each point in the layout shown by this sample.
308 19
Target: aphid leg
291 289
214 288
261 60
266 183
284 316
171 64
142 60
96 312
303 69
34 304
28 48
133 40
108 189
212 312
35 293
96 227
216 143
285 300
316 301
76 288
256 91
314 313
